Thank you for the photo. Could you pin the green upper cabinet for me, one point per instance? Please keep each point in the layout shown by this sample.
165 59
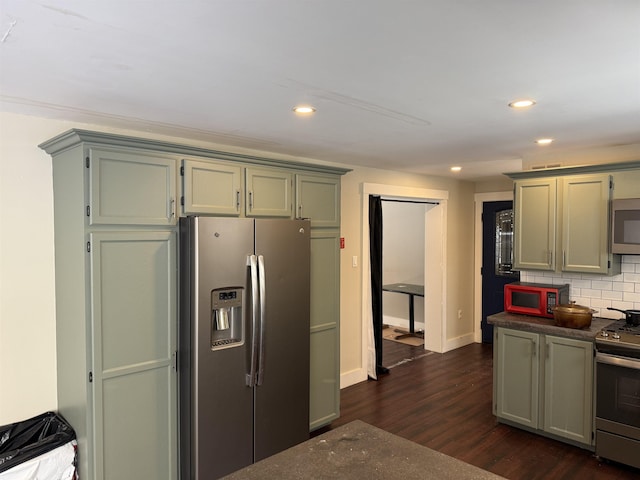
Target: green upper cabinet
211 188
535 224
268 193
131 188
318 199
561 224
585 224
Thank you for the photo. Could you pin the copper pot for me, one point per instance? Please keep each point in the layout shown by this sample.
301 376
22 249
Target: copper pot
572 315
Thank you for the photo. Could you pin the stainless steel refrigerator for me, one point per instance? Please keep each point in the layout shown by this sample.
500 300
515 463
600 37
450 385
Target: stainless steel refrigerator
244 341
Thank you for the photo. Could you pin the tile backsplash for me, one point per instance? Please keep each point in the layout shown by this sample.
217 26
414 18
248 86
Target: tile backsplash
596 291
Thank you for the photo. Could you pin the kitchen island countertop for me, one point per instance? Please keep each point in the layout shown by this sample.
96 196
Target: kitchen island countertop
358 450
547 325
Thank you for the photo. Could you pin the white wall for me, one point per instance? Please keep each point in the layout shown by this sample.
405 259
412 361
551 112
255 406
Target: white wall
403 230
27 299
27 303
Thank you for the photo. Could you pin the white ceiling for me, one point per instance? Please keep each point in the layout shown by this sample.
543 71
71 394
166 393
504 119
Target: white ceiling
404 85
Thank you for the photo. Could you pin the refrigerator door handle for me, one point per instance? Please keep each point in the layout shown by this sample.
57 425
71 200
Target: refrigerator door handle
253 266
263 326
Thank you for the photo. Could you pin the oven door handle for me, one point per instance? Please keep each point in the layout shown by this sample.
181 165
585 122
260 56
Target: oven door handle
616 360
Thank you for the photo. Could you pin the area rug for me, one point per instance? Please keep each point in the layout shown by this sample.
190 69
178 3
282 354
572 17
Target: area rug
401 335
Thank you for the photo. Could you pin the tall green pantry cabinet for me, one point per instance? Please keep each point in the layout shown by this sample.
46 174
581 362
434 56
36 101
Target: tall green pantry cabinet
116 307
116 203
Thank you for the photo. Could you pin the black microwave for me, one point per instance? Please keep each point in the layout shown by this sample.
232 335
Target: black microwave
625 226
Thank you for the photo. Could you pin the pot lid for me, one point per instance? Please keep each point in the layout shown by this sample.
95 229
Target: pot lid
572 308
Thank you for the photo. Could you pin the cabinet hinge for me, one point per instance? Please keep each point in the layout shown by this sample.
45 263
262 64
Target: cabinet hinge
174 360
90 377
87 161
182 171
88 210
182 200
481 271
610 184
88 247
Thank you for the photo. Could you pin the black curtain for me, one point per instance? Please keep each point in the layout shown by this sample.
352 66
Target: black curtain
375 253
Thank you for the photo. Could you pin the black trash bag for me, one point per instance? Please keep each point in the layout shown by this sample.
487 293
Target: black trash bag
23 441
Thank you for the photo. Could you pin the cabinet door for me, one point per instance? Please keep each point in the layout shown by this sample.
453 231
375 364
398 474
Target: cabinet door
535 224
325 328
318 198
568 383
585 223
268 193
133 315
210 188
131 188
518 376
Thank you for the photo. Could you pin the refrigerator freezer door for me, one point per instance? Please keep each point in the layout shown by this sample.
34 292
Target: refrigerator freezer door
282 398
221 403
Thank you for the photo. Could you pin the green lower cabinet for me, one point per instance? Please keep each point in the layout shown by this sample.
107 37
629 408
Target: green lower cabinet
324 405
518 376
134 382
544 383
568 388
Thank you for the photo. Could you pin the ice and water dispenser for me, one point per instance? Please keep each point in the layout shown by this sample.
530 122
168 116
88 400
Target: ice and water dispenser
227 325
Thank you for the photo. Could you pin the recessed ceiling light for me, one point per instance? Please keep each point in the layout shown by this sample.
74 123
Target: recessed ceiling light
456 169
544 141
304 109
522 103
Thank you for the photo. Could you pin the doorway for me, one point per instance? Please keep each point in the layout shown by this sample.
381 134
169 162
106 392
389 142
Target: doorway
403 269
497 260
434 273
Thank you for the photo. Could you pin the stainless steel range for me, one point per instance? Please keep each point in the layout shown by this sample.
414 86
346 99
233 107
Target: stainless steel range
618 393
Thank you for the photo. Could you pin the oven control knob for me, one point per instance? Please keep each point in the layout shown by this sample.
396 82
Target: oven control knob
604 333
616 336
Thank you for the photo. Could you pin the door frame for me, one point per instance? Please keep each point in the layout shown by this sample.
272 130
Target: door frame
435 226
479 199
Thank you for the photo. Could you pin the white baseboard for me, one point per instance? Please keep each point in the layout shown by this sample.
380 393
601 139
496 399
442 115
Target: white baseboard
453 343
354 376
401 322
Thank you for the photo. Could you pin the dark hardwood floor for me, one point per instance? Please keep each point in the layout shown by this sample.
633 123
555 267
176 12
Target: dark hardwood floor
443 401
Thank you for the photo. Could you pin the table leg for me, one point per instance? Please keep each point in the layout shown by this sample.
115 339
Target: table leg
411 319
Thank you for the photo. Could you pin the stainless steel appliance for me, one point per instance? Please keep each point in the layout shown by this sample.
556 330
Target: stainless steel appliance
537 299
618 393
625 226
244 341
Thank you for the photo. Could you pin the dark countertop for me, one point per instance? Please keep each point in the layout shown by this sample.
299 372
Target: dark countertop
358 450
547 326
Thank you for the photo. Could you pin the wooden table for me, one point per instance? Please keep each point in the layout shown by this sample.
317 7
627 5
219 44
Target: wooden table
410 289
357 451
